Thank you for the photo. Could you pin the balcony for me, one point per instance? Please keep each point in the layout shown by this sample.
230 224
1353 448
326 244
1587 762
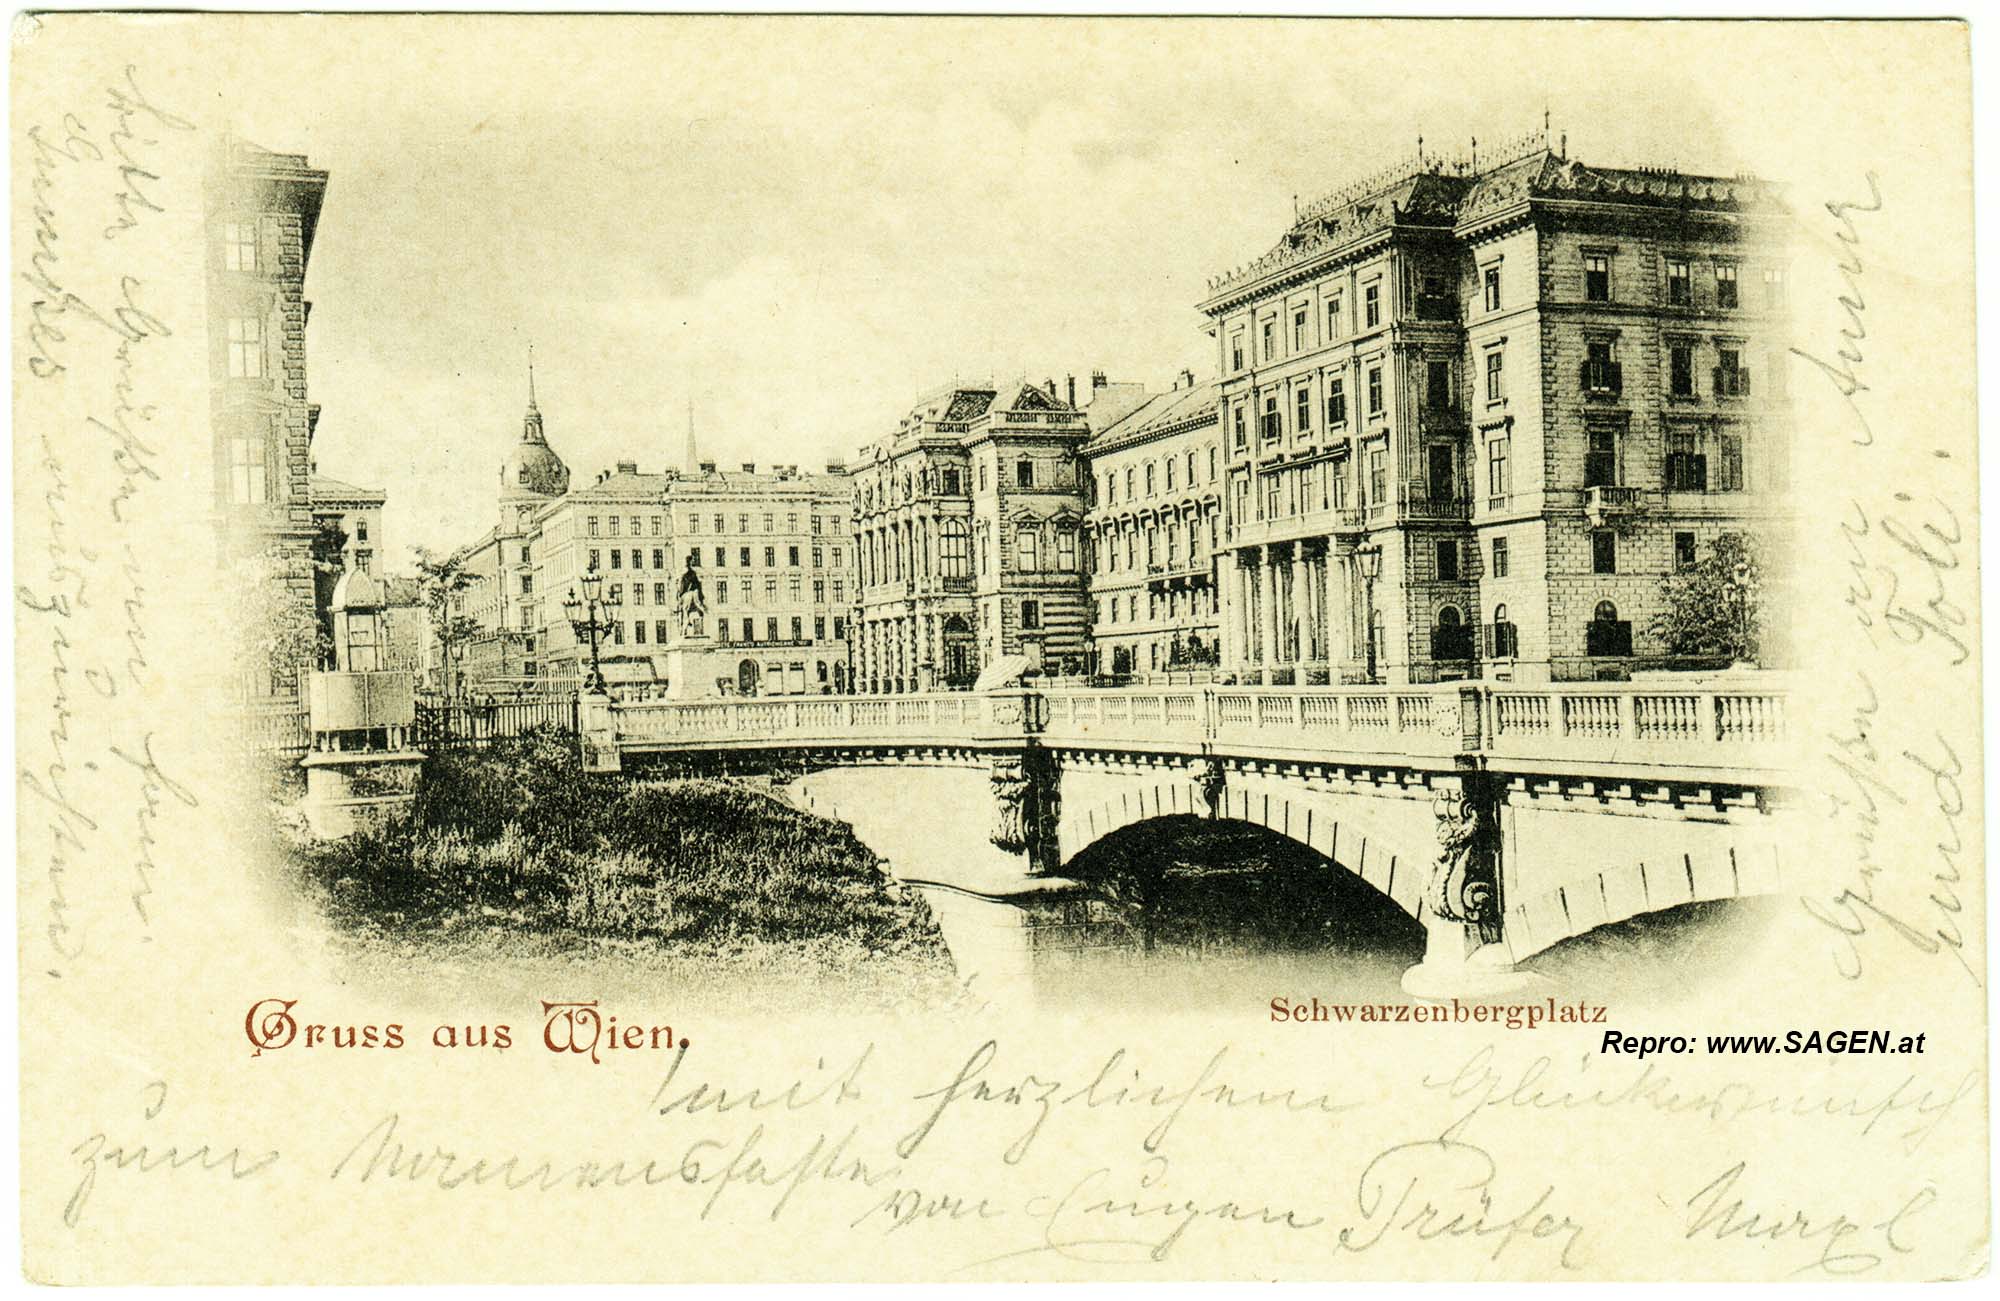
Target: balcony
1607 501
1437 307
1418 503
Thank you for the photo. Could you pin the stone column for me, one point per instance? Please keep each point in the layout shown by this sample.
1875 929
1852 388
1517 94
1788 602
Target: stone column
1273 629
1302 605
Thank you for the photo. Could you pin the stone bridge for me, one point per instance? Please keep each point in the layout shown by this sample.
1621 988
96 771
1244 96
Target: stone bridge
1504 819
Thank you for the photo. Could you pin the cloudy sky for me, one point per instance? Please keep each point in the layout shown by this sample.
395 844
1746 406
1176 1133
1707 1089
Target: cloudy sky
797 226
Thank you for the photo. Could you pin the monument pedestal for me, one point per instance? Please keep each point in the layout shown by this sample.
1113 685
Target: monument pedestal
695 668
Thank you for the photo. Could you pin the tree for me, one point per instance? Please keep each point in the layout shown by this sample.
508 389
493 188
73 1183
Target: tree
441 582
275 633
1712 608
329 562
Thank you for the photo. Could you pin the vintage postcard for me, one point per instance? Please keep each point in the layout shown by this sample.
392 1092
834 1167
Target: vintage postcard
966 650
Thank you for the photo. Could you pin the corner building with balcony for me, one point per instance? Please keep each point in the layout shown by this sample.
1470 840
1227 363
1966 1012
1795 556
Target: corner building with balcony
968 533
1474 414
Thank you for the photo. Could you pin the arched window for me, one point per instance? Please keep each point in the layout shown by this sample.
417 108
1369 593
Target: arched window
954 549
1451 639
1607 634
1502 642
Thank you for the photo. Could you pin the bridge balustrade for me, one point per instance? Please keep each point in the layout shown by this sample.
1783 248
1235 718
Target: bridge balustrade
1716 724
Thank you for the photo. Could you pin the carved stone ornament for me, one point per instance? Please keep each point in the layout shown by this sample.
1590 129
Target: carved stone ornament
1207 776
1013 790
1464 884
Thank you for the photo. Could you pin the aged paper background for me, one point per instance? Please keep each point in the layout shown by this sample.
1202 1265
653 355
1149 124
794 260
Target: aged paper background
148 926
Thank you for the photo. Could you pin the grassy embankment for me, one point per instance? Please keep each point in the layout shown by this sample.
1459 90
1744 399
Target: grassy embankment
514 850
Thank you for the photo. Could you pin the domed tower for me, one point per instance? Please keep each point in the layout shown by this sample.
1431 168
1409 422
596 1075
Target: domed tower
532 472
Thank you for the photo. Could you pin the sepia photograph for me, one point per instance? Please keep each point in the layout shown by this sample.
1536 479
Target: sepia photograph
598 548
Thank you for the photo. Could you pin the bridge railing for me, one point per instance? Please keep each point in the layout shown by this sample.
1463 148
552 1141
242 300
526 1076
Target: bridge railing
819 720
1716 723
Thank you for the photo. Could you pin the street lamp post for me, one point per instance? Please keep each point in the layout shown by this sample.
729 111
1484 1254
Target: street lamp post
1740 587
587 621
1370 558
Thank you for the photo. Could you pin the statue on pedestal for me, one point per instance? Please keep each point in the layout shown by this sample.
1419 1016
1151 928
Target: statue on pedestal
692 603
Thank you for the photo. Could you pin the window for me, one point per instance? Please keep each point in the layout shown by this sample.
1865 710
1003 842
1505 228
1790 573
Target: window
1236 417
1680 284
1270 426
1729 467
1687 469
982 476
1499 563
1333 317
636 558
722 631
1451 637
1503 640
1305 410
612 526
593 558
1170 472
239 246
1336 403
617 558
1496 384
749 629
1601 373
246 347
659 558
1680 370
1299 330
798 627
819 632
1774 286
618 633
1236 351
948 482
1378 475
1270 337
1066 551
791 555
1131 483
1597 277
1731 380
793 587
1211 465
1607 634
659 526
1149 478
635 527
527 580
742 523
839 627
1374 390
1490 278
1603 552
1031 616
1498 474
1447 560
770 591
1024 474
1437 386
1683 550
1600 458
1371 307
771 628
1725 285
659 594
639 632
721 557
1026 548
660 630
771 521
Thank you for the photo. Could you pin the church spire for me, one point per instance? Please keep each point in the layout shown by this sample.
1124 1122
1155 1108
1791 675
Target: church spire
690 463
531 425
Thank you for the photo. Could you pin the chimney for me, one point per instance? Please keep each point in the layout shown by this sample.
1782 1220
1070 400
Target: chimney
1049 386
1187 379
1071 381
1097 380
628 467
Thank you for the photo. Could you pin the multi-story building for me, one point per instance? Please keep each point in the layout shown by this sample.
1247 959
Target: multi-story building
357 512
262 212
772 550
1473 414
1152 533
967 523
619 526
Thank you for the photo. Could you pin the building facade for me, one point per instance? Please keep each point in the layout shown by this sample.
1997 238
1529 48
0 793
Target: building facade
772 551
357 512
617 525
967 525
262 212
1152 533
1473 414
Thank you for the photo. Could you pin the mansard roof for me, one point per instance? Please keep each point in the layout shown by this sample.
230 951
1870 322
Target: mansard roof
1191 405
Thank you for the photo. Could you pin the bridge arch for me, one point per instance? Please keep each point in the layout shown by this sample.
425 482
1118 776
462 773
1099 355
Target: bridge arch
1357 844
